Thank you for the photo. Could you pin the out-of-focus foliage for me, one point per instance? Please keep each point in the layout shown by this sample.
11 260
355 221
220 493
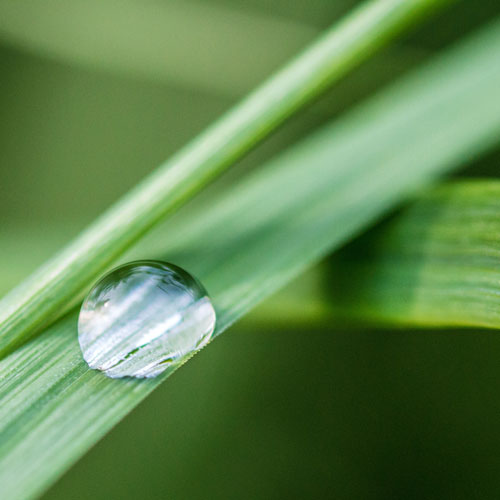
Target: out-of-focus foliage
434 265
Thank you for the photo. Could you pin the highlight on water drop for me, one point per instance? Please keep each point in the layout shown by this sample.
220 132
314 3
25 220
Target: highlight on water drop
144 318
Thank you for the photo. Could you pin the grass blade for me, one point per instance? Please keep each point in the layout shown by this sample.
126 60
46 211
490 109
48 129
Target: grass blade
434 265
279 221
40 297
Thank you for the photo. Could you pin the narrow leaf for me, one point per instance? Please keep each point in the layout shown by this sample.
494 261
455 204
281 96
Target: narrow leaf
434 265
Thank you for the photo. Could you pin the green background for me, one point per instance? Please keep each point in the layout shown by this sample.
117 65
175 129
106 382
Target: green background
268 410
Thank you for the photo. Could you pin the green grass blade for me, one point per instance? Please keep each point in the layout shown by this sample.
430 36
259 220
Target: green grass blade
434 265
279 221
38 299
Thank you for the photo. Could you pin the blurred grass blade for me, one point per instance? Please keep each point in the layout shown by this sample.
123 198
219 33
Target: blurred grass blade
53 286
434 265
279 220
184 43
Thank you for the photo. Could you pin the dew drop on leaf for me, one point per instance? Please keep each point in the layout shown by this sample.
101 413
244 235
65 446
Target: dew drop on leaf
144 318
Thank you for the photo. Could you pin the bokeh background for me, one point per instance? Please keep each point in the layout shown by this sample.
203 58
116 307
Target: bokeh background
93 96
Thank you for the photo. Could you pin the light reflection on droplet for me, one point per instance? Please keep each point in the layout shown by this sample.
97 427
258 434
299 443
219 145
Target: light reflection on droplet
143 318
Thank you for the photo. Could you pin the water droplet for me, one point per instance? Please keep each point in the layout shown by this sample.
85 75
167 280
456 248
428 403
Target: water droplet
143 318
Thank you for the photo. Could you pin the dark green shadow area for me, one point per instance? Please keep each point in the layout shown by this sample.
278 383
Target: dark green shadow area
311 414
